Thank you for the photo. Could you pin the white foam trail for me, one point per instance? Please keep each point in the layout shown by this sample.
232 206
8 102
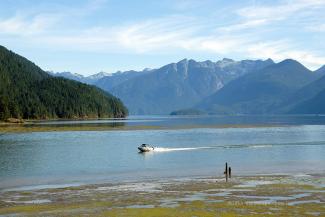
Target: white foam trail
260 146
159 149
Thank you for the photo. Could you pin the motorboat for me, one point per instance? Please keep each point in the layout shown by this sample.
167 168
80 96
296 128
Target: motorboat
146 148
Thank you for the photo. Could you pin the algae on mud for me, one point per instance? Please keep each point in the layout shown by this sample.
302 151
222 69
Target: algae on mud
34 127
270 196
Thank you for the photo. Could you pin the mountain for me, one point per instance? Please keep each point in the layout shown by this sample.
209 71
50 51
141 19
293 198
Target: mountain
176 85
303 94
188 112
315 105
263 91
28 92
94 78
321 71
308 100
77 77
109 82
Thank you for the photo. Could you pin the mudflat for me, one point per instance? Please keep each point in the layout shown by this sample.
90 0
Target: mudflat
262 195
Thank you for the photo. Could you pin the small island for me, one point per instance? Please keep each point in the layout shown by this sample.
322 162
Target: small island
188 112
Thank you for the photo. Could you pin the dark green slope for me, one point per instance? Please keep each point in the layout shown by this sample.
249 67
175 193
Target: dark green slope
27 92
259 92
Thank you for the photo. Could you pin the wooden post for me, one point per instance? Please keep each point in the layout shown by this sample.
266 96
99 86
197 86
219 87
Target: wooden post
226 172
229 172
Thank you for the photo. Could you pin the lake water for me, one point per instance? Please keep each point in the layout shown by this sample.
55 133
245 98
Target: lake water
291 144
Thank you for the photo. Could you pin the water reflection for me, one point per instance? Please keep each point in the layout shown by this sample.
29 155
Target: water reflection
110 124
49 157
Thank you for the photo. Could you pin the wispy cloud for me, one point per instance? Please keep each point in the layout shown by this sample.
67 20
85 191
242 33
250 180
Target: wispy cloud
280 50
280 11
316 27
296 12
252 31
243 25
34 22
23 26
152 35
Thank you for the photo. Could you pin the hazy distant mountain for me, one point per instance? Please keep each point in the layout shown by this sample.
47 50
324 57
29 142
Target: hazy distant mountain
176 85
84 79
315 105
262 91
109 82
68 75
308 100
321 70
303 94
223 87
94 78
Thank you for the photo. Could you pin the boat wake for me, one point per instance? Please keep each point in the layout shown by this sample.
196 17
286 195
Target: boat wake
160 149
242 146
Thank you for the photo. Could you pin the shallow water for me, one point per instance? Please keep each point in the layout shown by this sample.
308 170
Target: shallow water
43 158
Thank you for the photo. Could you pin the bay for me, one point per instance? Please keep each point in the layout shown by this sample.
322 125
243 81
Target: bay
250 144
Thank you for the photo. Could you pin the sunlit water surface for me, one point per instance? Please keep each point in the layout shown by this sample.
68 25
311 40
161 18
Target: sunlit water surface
289 145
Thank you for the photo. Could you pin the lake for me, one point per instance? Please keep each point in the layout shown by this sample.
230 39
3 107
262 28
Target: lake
186 147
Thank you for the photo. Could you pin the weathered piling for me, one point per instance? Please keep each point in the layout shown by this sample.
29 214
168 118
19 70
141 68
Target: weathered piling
226 172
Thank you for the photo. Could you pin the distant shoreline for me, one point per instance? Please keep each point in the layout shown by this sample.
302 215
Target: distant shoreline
32 127
160 122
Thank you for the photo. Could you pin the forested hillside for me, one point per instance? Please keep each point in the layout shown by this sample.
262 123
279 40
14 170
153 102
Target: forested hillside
27 92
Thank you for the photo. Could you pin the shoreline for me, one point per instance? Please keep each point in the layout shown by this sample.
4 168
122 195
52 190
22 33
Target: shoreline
275 195
159 123
25 128
37 183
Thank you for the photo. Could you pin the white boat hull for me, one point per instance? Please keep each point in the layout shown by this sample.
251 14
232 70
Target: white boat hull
145 148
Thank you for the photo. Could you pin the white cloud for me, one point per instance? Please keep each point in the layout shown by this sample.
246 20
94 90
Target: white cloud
243 25
280 50
21 25
32 22
169 34
280 11
148 36
186 4
316 27
156 34
223 45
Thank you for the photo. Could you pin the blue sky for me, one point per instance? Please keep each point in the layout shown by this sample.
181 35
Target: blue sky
88 36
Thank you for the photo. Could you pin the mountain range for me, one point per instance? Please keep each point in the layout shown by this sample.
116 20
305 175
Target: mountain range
222 87
180 85
176 85
186 87
268 90
28 92
91 79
